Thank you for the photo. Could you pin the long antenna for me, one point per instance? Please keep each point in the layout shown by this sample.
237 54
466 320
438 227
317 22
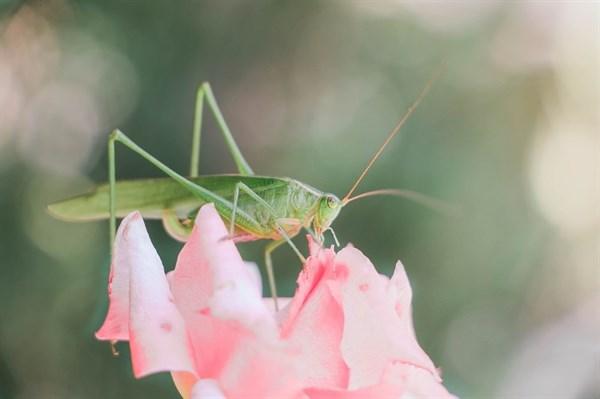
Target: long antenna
421 199
395 131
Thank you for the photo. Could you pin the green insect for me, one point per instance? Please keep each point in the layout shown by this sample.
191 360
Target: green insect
256 207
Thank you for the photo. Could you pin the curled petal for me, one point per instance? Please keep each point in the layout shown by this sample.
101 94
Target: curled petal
218 294
116 323
314 325
367 302
211 276
142 302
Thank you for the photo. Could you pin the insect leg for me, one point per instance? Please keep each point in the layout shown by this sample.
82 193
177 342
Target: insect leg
223 206
112 226
236 196
195 161
271 246
205 91
269 266
280 229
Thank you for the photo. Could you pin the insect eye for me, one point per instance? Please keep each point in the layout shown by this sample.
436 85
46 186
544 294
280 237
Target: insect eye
331 202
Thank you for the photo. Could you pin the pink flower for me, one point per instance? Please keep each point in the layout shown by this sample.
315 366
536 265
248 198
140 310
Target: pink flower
346 333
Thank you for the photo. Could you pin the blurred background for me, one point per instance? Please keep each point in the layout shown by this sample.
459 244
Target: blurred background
506 294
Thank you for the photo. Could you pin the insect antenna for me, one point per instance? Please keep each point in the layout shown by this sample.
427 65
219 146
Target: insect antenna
394 131
421 199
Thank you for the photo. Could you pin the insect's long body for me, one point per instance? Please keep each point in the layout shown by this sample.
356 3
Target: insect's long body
295 204
256 207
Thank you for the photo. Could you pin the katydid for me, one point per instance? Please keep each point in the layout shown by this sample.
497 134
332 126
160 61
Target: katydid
256 207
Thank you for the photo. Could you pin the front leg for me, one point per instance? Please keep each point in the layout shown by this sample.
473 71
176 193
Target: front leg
269 266
279 225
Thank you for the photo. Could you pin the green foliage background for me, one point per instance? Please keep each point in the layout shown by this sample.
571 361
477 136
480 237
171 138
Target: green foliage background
310 90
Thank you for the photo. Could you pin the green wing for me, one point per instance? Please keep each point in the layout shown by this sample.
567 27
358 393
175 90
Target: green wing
152 196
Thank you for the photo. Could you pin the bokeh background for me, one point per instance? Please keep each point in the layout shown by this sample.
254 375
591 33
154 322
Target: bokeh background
506 293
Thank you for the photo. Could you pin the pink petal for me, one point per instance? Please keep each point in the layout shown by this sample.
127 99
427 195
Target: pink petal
254 276
315 323
207 389
217 293
282 302
141 300
316 267
399 380
116 323
257 370
313 247
377 323
210 272
418 382
331 319
390 385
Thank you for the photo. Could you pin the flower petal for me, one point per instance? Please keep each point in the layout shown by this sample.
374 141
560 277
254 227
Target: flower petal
368 301
217 293
207 389
282 303
399 380
116 323
391 385
314 324
259 370
418 382
254 276
211 273
157 333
